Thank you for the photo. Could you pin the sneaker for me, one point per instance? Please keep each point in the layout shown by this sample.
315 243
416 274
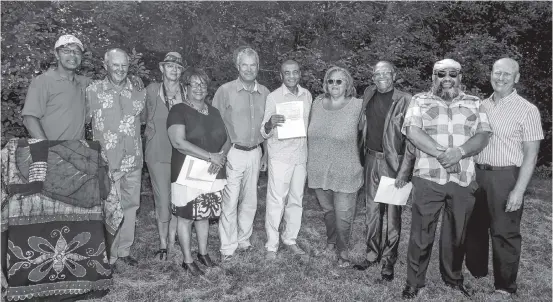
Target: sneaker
270 255
246 249
295 249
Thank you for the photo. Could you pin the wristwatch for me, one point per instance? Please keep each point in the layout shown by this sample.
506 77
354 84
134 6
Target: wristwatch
463 153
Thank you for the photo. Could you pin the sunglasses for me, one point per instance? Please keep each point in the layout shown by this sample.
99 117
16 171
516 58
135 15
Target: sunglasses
444 73
332 82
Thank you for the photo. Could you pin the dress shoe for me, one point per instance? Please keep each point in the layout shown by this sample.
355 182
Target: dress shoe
387 276
162 254
246 249
295 249
409 292
128 260
270 255
226 258
467 292
206 260
192 268
365 265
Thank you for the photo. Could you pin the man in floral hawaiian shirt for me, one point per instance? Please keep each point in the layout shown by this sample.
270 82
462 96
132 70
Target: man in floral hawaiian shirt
115 107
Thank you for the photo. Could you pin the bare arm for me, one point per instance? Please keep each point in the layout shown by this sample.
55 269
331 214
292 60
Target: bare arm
424 142
177 137
34 127
530 150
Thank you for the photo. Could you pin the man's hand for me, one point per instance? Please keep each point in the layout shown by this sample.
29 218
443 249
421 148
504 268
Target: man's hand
275 121
264 160
400 183
514 202
450 157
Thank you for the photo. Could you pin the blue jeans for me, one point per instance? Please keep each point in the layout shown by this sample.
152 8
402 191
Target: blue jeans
339 212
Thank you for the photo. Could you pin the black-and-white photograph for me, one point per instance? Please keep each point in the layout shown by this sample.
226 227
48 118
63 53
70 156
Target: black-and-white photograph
276 151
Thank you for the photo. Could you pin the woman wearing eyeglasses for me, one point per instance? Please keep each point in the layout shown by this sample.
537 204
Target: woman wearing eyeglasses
196 129
334 170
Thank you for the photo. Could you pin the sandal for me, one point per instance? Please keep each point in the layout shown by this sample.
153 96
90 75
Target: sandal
162 254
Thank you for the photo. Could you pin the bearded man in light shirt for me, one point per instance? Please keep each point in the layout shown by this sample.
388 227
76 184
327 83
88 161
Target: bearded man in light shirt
286 163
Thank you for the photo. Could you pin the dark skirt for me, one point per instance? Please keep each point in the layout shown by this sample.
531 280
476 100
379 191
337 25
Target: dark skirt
205 206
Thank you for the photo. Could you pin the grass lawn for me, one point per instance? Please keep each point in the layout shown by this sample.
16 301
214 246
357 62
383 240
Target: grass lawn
249 278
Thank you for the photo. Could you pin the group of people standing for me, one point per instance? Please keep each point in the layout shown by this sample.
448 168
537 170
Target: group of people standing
473 158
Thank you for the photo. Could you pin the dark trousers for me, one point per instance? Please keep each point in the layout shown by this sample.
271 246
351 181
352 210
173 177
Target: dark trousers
339 212
383 221
428 200
504 227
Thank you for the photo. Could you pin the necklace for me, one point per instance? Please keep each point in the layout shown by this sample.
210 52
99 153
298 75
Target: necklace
172 100
203 110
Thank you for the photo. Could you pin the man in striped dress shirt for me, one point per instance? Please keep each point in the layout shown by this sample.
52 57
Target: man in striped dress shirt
503 170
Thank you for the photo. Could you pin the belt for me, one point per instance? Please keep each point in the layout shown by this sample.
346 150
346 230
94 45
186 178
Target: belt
375 153
243 148
494 168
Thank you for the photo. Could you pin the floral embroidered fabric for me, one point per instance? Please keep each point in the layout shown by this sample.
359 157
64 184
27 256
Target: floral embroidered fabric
51 244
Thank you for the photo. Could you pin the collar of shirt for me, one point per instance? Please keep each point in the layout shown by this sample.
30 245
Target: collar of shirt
456 99
286 91
109 86
240 85
57 76
504 100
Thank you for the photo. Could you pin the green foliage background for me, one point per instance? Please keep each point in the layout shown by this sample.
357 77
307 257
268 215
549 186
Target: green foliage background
354 35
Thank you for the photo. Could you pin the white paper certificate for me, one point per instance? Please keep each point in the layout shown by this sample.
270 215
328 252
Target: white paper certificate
388 193
194 173
293 125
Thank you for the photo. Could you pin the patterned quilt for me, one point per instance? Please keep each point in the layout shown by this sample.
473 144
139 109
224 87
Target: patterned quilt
60 214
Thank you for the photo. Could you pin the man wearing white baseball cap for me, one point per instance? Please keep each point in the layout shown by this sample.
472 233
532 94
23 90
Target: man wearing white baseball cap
448 127
55 104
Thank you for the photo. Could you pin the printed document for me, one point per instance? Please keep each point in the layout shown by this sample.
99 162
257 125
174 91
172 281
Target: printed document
194 173
388 193
293 125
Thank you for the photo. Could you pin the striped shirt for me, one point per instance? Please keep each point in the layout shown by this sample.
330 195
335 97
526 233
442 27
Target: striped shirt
450 126
514 120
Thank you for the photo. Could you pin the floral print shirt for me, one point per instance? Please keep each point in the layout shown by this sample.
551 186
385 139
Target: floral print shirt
116 119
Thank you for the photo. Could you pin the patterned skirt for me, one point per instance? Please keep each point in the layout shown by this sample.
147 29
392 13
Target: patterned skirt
205 206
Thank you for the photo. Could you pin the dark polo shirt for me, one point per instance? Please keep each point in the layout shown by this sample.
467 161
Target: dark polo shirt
59 104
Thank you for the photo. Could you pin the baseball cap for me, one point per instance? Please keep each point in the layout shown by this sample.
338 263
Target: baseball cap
68 39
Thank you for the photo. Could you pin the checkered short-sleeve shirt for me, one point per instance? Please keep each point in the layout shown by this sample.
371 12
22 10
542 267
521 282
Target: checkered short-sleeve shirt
450 126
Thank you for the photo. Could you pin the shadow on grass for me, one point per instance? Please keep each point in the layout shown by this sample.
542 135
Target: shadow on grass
248 277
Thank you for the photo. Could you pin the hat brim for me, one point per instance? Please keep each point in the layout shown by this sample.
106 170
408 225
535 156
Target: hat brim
167 62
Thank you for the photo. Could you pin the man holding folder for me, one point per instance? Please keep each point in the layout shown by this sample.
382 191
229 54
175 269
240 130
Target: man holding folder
287 158
388 154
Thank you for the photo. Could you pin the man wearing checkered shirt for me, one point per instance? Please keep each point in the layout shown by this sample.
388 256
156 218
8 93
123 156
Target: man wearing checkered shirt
448 127
503 170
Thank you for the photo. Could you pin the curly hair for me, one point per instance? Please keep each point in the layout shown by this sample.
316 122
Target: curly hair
350 89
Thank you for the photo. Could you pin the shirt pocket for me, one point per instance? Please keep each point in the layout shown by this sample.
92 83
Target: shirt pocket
430 114
469 113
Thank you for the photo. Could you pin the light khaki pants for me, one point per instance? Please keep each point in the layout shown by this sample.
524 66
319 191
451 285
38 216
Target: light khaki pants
284 200
127 186
239 199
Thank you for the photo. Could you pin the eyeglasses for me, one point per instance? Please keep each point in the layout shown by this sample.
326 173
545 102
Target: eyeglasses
336 82
444 73
198 85
382 74
67 51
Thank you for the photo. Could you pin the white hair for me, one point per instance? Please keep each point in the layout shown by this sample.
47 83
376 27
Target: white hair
246 52
114 50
